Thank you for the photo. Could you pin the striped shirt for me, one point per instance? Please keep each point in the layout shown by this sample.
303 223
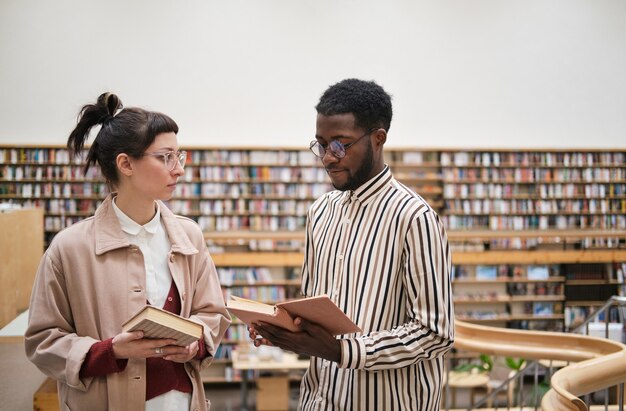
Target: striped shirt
381 253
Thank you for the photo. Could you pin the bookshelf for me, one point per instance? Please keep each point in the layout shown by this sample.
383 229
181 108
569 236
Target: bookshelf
509 209
223 189
548 189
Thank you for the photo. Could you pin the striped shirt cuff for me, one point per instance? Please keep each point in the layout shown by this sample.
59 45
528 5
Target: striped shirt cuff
352 354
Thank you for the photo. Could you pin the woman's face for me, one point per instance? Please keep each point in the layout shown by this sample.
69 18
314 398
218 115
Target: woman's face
151 177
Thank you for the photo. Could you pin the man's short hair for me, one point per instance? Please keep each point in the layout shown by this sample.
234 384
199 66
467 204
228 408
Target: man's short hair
367 101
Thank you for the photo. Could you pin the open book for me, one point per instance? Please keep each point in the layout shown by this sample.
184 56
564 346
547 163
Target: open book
158 323
319 310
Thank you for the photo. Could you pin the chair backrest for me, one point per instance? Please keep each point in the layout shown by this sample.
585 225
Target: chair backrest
501 373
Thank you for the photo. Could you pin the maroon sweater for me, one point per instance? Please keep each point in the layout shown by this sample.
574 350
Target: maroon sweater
161 375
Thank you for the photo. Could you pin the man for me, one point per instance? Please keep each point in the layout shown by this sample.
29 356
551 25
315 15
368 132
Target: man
381 253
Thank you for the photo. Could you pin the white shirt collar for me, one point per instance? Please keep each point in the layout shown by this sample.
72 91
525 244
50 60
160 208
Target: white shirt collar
131 227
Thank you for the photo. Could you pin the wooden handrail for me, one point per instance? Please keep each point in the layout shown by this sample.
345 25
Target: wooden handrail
599 363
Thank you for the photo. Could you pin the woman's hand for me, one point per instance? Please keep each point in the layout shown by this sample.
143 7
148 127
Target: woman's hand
177 353
133 345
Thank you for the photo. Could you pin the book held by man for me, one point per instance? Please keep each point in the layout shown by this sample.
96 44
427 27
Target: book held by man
320 310
158 323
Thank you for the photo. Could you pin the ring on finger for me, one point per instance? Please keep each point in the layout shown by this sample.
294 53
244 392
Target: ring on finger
158 350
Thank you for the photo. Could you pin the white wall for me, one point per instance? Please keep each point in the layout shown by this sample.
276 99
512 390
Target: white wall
482 73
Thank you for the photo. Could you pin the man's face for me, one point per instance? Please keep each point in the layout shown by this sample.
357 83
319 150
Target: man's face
358 166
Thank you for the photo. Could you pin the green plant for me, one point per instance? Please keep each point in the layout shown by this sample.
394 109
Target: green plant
514 364
486 365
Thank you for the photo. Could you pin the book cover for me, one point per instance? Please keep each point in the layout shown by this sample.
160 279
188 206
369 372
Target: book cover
486 272
319 310
543 308
158 323
538 272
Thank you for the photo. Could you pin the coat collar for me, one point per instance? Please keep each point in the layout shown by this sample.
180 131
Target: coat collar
109 234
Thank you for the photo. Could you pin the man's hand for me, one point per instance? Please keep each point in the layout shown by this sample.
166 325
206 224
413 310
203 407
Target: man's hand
311 340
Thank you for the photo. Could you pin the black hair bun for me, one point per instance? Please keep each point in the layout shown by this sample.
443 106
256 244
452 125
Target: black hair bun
110 102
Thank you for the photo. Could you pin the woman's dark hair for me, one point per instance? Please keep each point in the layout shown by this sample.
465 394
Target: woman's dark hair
367 101
131 131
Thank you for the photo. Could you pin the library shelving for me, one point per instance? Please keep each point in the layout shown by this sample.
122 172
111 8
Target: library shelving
540 189
536 218
223 189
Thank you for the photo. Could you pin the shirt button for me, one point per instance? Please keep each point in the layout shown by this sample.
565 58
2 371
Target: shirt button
169 298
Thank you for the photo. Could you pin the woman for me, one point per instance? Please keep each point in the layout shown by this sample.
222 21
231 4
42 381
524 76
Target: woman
132 252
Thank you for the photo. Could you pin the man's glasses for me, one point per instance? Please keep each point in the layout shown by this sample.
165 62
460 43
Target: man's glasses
171 158
336 147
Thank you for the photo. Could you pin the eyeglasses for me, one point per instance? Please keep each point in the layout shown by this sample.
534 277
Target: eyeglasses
171 158
336 147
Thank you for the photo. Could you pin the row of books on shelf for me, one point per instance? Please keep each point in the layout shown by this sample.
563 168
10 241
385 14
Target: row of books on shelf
48 172
276 245
535 289
64 206
516 243
264 245
511 191
251 223
236 189
588 271
535 222
224 352
504 271
576 315
262 293
591 292
292 157
305 157
512 296
242 157
66 190
413 157
543 308
35 155
594 271
535 206
57 223
250 275
536 325
518 158
263 173
533 309
53 206
237 332
242 205
534 175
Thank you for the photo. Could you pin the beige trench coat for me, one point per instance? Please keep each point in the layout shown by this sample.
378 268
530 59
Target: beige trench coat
90 281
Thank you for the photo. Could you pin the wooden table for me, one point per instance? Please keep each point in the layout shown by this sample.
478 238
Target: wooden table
465 379
248 361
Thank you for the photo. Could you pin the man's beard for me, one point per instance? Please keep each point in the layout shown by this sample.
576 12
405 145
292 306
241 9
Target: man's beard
362 174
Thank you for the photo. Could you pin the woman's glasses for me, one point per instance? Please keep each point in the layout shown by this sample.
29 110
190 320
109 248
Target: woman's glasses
171 158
